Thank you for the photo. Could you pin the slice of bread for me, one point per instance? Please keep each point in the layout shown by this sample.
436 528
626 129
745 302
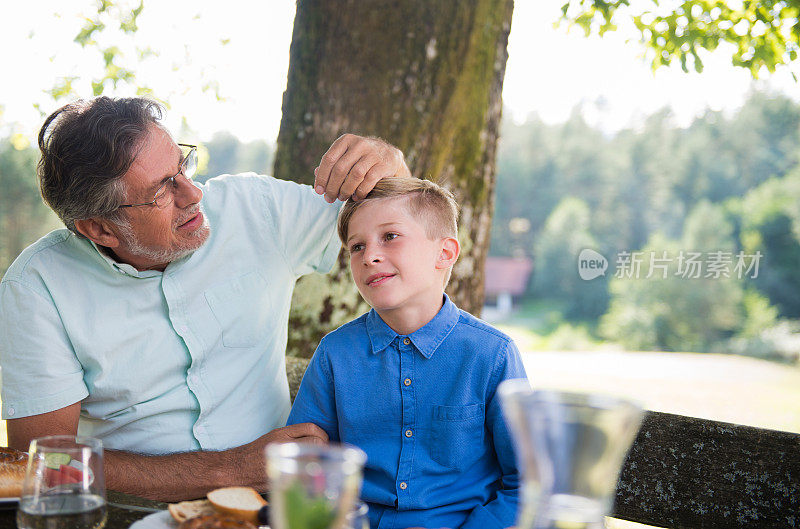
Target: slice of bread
186 510
239 502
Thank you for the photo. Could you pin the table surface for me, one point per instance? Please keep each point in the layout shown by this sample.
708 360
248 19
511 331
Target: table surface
123 510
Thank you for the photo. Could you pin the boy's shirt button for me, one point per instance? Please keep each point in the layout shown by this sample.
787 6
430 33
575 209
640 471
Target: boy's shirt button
403 485
407 382
406 341
409 433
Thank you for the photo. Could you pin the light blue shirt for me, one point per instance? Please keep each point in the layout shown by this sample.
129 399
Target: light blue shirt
425 409
191 358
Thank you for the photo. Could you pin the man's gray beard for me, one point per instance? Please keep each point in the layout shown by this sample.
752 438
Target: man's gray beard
199 237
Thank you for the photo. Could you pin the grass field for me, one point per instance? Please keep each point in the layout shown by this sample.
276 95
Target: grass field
726 388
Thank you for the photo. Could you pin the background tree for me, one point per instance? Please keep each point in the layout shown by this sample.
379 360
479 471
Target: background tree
567 232
670 312
228 155
23 215
771 225
425 76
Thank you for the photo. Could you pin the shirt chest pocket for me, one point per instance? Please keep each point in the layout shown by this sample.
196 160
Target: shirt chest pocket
457 435
241 307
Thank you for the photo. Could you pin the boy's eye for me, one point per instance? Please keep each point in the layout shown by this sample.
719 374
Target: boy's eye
390 236
356 248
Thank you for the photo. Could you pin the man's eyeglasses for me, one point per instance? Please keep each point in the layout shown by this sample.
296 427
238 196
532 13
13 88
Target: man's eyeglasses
166 193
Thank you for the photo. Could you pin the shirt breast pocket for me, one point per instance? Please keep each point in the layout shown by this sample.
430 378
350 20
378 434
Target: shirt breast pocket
241 307
457 435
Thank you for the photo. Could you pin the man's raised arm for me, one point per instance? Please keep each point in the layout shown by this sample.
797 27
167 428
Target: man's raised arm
170 477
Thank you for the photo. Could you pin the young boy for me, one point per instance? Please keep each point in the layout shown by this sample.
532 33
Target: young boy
413 382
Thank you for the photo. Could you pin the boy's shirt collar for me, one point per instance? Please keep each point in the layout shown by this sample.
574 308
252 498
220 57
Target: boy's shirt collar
426 339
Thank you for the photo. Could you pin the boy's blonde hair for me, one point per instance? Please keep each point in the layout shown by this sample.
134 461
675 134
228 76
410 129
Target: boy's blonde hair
432 204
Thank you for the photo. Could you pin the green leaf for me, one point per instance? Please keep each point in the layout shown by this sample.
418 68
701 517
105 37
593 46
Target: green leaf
703 25
97 87
128 25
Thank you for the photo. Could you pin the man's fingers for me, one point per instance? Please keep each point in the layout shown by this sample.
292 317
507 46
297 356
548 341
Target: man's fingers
311 440
376 172
329 159
356 176
352 165
340 171
306 430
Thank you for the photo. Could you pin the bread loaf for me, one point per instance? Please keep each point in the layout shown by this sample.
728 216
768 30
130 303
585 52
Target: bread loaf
239 502
13 464
187 510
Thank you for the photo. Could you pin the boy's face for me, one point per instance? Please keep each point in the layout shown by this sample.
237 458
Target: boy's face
395 266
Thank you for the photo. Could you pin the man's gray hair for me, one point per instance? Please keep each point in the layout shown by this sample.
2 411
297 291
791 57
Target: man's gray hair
87 146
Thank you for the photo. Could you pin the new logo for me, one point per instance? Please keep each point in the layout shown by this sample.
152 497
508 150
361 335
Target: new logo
591 264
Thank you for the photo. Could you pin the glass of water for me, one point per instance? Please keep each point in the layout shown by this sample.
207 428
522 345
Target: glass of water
358 518
64 485
314 486
570 449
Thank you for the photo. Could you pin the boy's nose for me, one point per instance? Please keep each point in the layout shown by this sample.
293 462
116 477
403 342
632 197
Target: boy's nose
371 257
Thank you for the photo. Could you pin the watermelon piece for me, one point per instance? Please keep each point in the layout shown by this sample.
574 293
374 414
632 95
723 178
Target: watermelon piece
65 475
71 474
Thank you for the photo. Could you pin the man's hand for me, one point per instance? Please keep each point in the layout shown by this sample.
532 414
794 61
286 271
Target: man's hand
353 164
296 433
246 463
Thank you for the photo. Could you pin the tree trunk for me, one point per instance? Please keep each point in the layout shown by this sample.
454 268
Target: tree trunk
426 76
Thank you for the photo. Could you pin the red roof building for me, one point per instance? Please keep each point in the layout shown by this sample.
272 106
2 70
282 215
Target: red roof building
507 275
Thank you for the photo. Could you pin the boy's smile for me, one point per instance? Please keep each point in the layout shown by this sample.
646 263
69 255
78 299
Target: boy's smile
378 279
399 271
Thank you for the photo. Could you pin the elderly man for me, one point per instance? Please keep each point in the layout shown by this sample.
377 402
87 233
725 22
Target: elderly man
157 321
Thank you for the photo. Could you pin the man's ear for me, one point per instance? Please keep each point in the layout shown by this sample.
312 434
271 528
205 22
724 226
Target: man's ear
449 253
98 230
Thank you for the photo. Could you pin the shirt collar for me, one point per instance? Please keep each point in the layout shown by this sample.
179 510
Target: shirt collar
122 268
426 339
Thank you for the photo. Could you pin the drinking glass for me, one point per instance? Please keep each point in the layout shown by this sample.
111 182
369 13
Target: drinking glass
358 517
313 486
64 486
570 448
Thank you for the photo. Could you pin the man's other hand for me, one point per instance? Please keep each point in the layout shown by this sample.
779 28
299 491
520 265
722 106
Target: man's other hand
353 164
297 433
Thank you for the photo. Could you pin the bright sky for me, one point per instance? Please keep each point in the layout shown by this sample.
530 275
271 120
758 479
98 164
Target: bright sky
549 70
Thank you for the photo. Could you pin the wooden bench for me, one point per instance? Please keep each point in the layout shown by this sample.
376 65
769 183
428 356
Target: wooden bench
689 473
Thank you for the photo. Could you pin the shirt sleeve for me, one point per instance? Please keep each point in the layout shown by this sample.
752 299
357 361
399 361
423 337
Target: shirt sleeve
315 401
40 372
305 226
501 512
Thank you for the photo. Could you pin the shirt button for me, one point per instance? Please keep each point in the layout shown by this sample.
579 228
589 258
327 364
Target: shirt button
403 485
409 433
11 411
407 382
199 429
406 341
194 379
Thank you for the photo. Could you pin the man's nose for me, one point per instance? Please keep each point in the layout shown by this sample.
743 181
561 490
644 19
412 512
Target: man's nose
186 192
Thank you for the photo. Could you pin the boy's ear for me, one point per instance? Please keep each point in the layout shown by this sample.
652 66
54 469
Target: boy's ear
449 253
98 231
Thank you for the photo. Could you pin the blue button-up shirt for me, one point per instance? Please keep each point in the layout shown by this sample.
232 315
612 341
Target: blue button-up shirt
185 359
425 409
